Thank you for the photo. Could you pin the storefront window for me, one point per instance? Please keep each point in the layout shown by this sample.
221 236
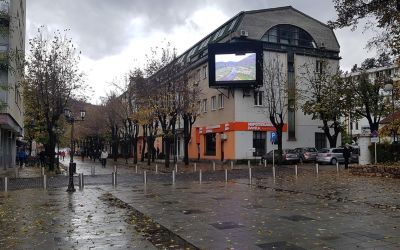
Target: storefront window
259 141
211 144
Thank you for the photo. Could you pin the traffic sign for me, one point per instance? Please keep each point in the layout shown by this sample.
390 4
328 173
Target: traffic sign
274 137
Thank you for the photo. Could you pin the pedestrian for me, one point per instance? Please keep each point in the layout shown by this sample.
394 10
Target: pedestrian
158 151
42 158
346 154
63 155
21 157
103 158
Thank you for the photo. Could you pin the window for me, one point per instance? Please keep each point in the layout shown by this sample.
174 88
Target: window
197 77
258 98
198 107
205 72
289 34
211 144
213 102
356 125
204 108
319 66
259 142
320 140
220 101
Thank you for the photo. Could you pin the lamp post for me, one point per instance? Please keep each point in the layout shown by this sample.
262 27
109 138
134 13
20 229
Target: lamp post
72 166
390 88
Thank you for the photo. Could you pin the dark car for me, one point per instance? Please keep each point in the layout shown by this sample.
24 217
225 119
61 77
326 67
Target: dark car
307 154
289 156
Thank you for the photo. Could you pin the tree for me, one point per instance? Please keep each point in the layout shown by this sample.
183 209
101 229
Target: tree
276 93
320 96
52 79
385 12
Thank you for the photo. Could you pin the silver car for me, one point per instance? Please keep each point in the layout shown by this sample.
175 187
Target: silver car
289 156
330 155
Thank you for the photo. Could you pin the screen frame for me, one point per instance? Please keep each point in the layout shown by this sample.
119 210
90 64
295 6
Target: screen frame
235 48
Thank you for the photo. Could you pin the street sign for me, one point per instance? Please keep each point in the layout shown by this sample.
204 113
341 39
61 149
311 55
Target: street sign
374 136
274 137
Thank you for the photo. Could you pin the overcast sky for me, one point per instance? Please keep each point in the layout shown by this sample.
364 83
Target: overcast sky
115 35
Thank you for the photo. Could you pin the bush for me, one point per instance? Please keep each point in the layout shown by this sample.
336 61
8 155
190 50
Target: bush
386 152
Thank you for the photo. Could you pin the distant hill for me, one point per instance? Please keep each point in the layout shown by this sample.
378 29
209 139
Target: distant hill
248 61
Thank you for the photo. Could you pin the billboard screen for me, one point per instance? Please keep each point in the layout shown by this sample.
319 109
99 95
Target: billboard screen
235 64
233 67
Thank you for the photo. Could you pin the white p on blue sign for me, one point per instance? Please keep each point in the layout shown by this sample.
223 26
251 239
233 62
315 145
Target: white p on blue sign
274 137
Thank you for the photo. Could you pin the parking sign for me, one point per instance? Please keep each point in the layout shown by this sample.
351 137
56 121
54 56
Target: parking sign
274 137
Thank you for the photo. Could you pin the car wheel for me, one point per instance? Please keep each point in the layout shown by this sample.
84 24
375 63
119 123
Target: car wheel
333 161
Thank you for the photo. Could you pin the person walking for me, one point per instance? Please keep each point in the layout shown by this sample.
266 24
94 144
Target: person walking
346 154
103 157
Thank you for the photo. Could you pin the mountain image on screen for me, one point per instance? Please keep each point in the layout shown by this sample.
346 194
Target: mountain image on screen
231 67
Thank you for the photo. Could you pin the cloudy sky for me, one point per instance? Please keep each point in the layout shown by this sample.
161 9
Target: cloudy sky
115 35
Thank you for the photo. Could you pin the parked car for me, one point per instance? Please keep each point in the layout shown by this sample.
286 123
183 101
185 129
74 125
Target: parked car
307 154
289 156
330 155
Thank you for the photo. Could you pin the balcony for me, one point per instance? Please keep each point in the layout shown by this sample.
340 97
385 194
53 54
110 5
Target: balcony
5 10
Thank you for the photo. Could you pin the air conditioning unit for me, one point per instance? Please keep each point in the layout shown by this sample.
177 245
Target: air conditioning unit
244 33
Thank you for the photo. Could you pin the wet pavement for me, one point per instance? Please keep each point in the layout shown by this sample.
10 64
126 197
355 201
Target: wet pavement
330 210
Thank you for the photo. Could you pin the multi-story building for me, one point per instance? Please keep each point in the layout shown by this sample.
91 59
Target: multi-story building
12 49
233 122
355 127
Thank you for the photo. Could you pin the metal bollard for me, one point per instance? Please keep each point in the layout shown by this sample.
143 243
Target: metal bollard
337 167
195 167
42 171
265 163
295 169
115 168
231 165
173 176
248 163
5 184
200 176
44 182
93 170
145 177
250 176
156 169
316 168
273 172
214 165
81 184
136 168
114 179
176 168
226 175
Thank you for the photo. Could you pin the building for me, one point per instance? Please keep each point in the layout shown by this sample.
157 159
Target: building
356 127
233 124
12 48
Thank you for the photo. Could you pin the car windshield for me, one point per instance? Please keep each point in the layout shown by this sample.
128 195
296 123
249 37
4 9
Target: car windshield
311 150
290 151
324 150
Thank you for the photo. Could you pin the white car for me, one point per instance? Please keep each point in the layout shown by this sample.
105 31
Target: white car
330 155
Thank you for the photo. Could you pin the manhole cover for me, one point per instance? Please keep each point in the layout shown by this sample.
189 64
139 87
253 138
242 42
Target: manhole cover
297 218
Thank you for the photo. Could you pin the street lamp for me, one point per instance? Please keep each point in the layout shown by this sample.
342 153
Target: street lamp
72 166
390 88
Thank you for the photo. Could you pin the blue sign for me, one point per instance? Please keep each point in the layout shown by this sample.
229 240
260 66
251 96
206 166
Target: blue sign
274 137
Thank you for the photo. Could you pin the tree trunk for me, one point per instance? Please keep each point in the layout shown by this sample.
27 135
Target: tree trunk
186 139
167 151
135 154
279 134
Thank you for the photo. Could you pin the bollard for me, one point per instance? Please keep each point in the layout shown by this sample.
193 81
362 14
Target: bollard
250 176
44 182
295 170
144 177
42 171
156 169
248 163
226 175
93 170
115 168
195 167
337 167
231 165
173 176
265 163
316 167
176 168
5 184
114 179
136 168
273 172
200 176
81 184
214 165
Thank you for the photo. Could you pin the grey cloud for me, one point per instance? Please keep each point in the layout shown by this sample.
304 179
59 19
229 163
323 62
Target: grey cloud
101 27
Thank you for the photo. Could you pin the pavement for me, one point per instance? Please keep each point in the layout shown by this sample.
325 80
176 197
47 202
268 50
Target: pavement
328 210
